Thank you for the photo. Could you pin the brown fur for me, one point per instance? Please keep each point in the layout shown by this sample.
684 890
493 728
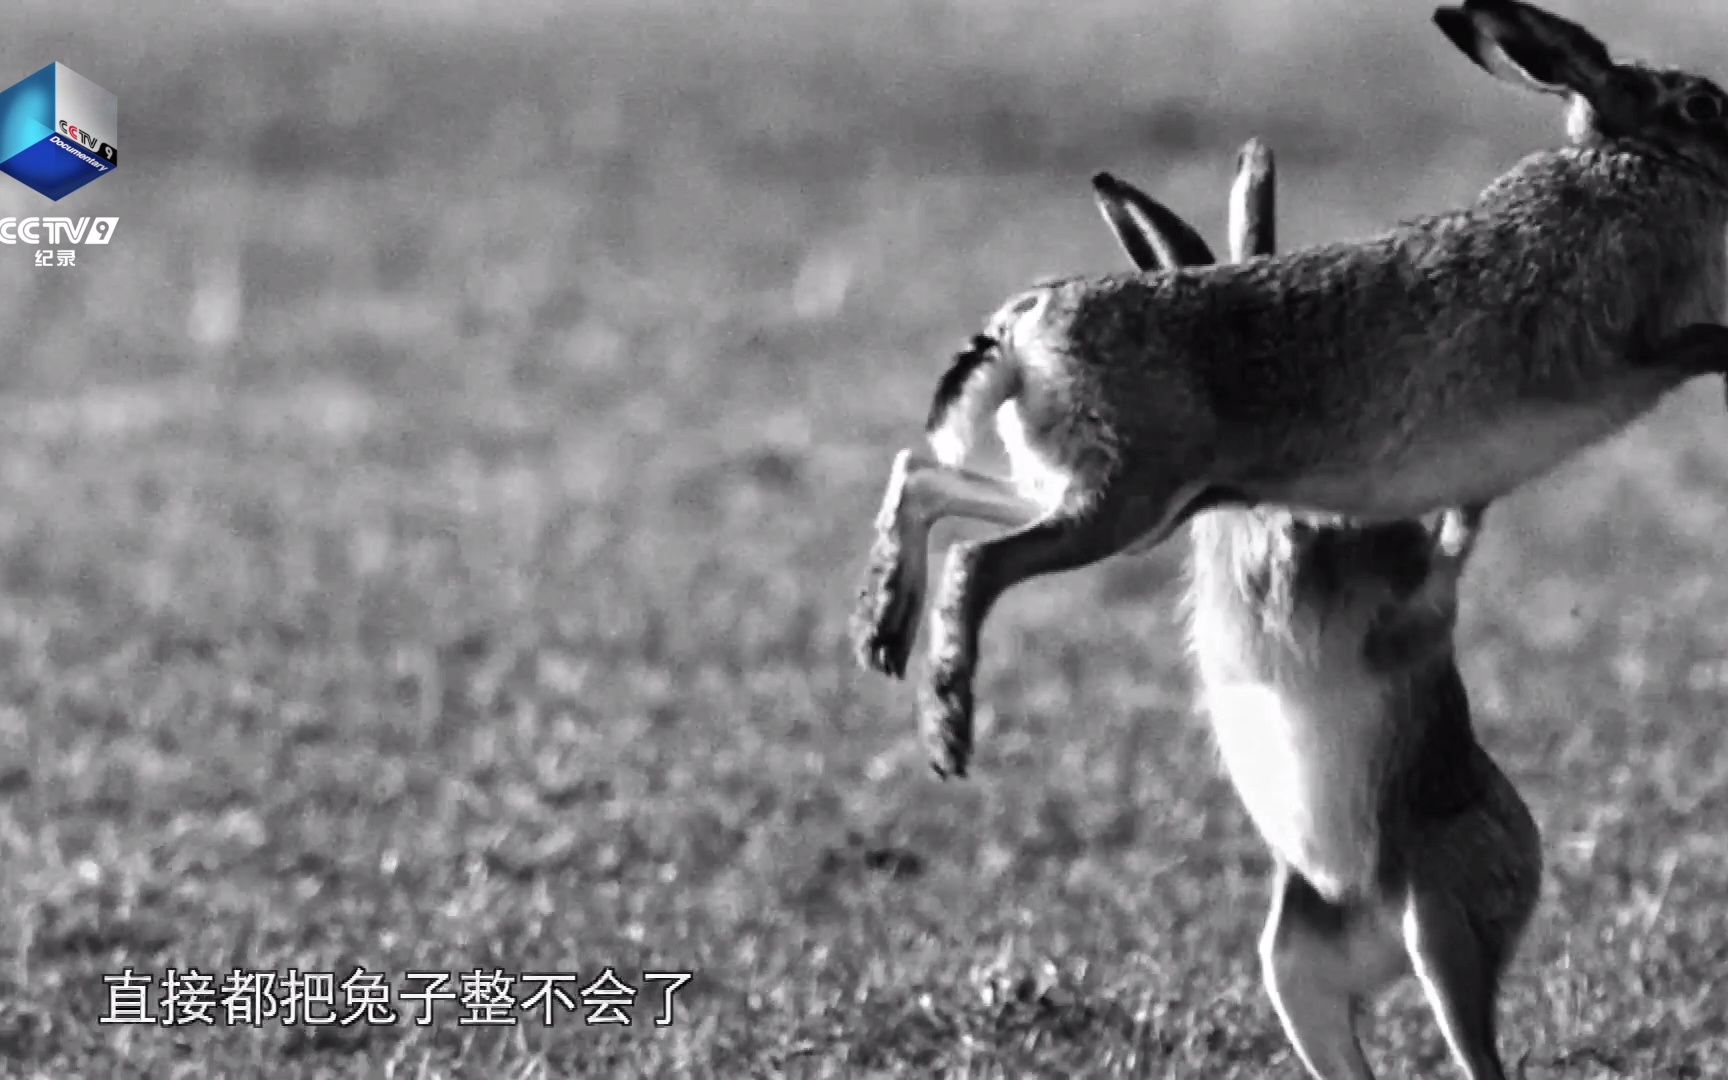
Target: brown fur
1444 362
1388 407
1324 649
1325 653
1359 764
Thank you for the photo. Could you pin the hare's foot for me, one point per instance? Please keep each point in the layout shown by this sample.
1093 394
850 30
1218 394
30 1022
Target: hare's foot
945 719
885 620
920 492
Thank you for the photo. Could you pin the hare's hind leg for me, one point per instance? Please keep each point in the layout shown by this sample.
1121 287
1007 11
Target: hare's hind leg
920 492
1319 961
976 573
1460 978
1475 882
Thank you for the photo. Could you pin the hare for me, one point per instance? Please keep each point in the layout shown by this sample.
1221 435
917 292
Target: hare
1324 654
1442 363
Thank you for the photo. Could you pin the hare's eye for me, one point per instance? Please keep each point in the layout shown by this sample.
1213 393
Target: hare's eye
1701 108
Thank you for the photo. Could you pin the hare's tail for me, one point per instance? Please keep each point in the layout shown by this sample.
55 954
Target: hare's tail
978 381
983 376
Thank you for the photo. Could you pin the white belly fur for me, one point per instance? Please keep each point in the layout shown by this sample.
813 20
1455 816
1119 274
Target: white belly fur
1474 466
1300 751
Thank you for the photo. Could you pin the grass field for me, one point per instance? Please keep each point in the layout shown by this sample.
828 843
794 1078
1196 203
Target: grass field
427 534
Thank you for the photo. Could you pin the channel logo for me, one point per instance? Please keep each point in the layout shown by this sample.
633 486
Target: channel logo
58 131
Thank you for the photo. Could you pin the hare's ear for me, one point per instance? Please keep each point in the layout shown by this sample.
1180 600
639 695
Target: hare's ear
1154 236
1253 206
1525 45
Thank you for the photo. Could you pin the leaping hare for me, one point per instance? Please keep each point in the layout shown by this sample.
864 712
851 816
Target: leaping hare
1324 654
1442 363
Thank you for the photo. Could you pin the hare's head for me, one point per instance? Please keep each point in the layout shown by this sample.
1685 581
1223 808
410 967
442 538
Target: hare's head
1669 113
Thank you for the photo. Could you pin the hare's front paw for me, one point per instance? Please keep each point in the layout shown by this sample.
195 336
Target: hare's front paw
885 620
945 718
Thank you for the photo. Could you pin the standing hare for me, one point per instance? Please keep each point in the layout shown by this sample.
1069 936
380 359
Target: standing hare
1442 363
1324 654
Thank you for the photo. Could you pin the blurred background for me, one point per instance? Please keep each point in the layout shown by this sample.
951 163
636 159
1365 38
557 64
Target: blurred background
427 533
